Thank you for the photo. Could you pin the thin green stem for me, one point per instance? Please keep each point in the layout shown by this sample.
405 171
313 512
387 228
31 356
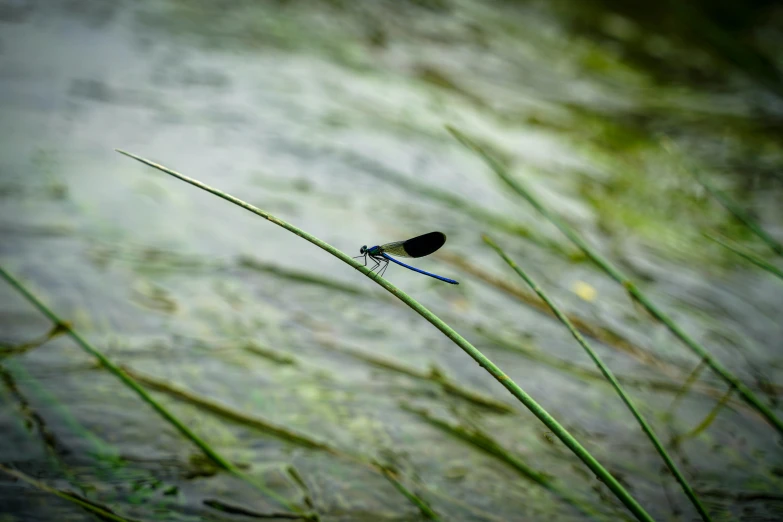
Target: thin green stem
605 336
610 377
415 499
692 377
70 497
743 216
54 332
479 357
709 419
230 413
482 441
433 375
614 273
254 421
750 256
131 383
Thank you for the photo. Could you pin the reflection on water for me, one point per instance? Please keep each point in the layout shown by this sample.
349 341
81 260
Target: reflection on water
331 115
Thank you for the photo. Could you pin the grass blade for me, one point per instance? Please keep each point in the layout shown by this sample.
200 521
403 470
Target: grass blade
743 216
434 375
750 256
614 273
415 499
266 426
449 332
611 378
100 511
131 383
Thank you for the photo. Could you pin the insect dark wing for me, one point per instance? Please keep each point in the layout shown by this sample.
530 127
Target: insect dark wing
424 245
415 247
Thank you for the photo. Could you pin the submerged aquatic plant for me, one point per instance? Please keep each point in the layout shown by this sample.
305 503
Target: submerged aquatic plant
129 381
609 375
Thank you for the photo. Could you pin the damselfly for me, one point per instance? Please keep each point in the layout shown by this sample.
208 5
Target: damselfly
420 246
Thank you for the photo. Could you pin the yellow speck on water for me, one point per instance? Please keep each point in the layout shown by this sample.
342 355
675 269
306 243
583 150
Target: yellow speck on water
584 291
460 305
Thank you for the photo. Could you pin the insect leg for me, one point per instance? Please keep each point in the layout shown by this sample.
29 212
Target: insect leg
383 270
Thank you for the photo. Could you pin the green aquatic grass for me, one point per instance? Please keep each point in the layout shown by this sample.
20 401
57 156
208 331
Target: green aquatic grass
743 216
544 416
583 373
32 419
101 511
689 383
109 464
227 412
617 275
415 499
269 354
609 375
230 509
98 447
486 444
434 375
709 419
131 383
54 332
280 432
604 335
747 254
300 482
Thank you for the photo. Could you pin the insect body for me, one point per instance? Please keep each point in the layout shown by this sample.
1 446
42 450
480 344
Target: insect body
419 246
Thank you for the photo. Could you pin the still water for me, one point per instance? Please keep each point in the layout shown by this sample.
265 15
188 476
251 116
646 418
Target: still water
331 116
